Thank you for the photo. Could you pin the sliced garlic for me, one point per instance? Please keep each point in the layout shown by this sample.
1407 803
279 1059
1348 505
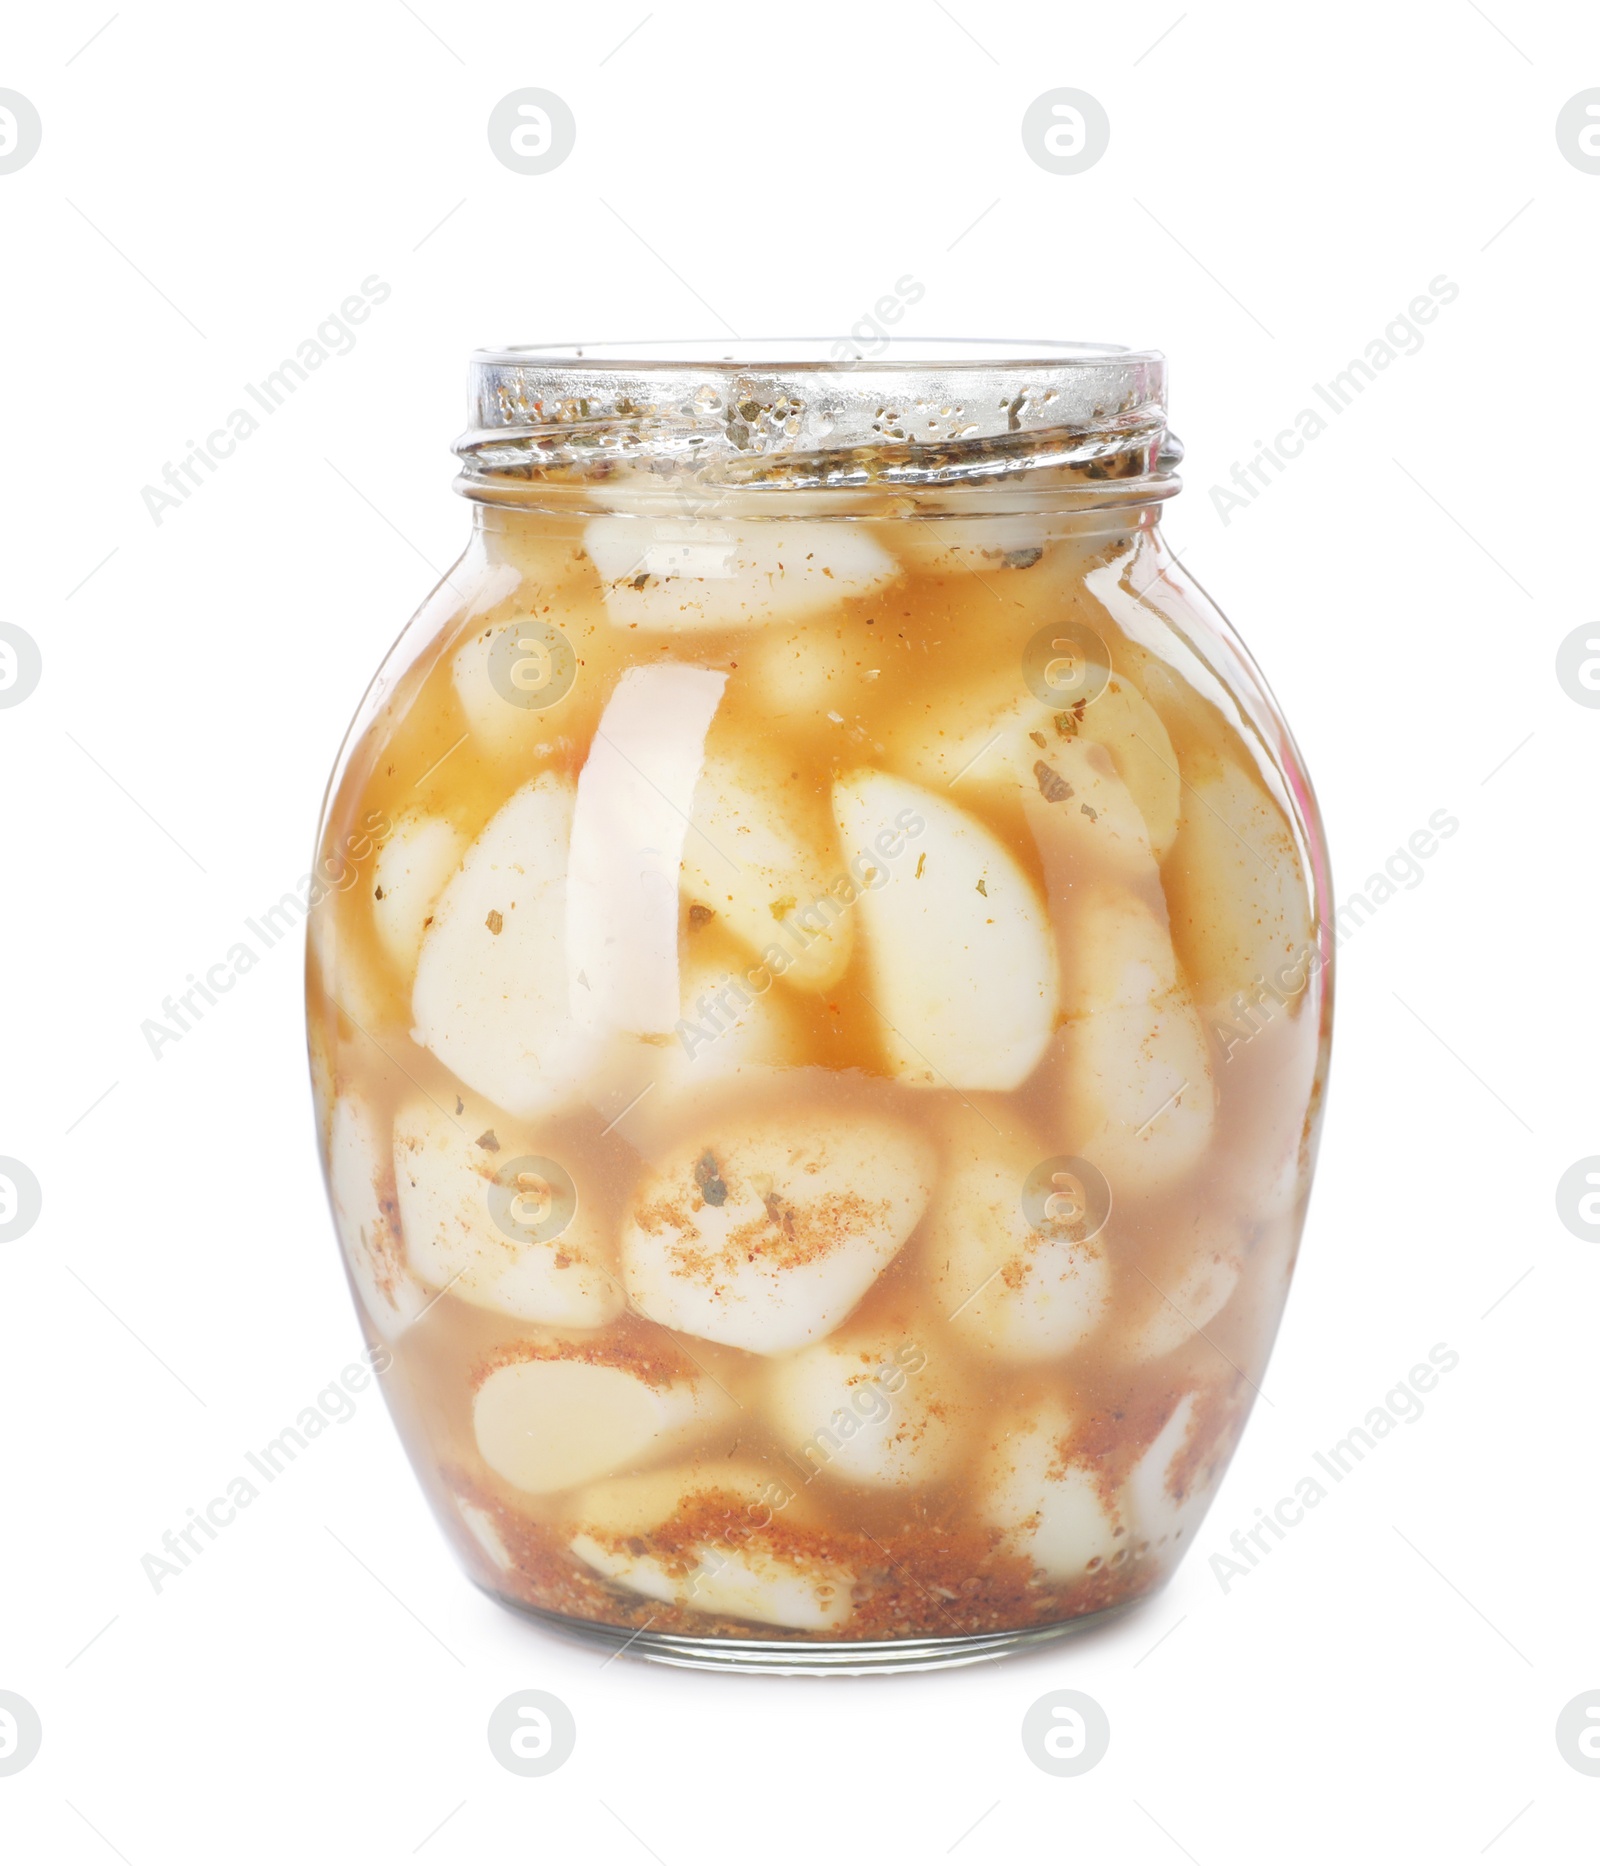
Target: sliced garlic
687 574
959 950
635 796
767 1232
520 1247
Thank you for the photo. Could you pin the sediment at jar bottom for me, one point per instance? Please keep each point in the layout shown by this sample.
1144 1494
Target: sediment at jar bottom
820 1113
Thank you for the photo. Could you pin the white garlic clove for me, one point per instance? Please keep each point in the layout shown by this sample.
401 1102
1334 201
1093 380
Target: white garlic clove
1050 1504
351 987
765 859
1122 720
959 950
1082 816
528 1246
765 1233
1139 1096
721 1557
483 1529
990 739
862 1408
491 992
530 683
1172 1305
949 542
1020 1278
733 1020
1236 892
688 574
416 861
795 679
566 1416
361 1188
1169 1490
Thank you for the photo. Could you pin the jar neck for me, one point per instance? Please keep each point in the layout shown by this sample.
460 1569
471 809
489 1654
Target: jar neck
1034 513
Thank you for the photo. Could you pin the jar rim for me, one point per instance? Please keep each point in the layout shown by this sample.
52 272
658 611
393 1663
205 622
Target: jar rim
813 413
694 355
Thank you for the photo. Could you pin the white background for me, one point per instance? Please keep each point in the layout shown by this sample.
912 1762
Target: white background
1280 182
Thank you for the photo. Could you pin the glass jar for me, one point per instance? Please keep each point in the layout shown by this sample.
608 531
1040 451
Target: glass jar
818 1007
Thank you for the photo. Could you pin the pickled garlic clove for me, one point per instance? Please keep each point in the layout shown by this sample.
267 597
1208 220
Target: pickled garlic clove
527 684
960 957
732 1020
517 1245
1129 727
1139 1099
564 1416
540 557
688 574
1169 1304
636 794
319 1035
349 986
1269 1067
816 678
736 1036
413 866
1017 1285
862 1408
948 542
1240 910
1082 816
1050 1505
726 1545
485 1532
491 993
361 1187
766 1233
765 859
990 735
1170 1487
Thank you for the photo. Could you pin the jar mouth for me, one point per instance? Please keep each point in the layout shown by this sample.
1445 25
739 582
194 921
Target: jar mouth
799 354
818 413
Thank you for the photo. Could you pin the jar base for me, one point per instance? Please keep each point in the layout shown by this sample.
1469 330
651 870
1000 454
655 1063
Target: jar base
808 1658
